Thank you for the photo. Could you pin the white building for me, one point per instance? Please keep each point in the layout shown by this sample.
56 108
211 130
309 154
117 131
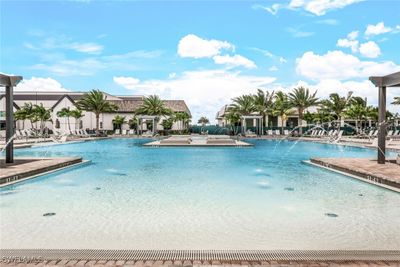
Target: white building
271 121
55 101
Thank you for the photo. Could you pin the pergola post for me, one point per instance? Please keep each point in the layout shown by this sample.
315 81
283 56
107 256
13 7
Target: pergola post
391 80
382 125
9 82
10 131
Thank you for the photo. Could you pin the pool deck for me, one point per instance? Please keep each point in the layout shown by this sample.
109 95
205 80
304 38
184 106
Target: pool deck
27 167
198 143
150 258
368 170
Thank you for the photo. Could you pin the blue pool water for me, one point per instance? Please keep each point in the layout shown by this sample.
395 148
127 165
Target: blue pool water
134 197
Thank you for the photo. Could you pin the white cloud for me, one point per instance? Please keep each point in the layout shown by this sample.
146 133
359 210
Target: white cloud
234 61
316 7
377 29
40 84
84 67
353 44
90 48
299 33
325 87
282 60
370 49
127 82
193 46
340 66
350 41
352 35
205 92
273 68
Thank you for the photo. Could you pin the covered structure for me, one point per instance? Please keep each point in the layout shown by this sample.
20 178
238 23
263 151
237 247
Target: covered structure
259 123
382 82
144 118
9 81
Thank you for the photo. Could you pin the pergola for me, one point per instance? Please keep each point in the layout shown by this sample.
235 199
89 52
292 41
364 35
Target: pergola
391 80
9 81
142 118
259 126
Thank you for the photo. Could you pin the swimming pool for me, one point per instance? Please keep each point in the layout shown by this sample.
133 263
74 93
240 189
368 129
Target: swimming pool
134 197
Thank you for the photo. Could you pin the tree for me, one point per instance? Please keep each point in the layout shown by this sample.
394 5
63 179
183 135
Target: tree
233 119
118 121
301 98
282 107
337 104
243 105
42 115
263 103
357 110
203 121
153 106
77 115
183 118
396 100
167 124
95 101
25 113
21 115
65 113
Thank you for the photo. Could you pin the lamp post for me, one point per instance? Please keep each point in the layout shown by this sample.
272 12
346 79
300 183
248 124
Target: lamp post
9 82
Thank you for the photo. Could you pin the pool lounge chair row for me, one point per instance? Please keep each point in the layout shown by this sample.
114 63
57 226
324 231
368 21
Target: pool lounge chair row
124 132
276 132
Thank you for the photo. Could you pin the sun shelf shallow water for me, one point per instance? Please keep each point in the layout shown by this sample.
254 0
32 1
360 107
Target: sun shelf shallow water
198 198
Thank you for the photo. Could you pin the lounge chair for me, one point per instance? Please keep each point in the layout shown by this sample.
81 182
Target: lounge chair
117 132
286 132
124 132
270 132
250 134
147 134
277 132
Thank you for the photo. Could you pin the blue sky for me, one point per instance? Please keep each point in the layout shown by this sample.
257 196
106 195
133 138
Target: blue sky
204 52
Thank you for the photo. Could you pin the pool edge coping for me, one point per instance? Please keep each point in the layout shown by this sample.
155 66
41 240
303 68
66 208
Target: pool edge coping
360 178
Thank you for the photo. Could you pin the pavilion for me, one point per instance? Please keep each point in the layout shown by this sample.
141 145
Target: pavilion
9 81
382 82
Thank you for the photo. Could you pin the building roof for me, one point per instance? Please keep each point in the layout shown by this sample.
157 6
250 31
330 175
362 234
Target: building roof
125 104
132 105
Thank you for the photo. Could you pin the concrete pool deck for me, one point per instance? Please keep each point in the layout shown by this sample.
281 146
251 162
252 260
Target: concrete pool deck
27 167
368 170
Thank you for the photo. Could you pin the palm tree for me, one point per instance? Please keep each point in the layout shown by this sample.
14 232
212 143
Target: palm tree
203 121
77 115
263 103
282 107
396 100
118 121
301 98
181 117
42 115
357 110
243 105
95 101
65 113
337 104
25 113
153 106
233 119
21 115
